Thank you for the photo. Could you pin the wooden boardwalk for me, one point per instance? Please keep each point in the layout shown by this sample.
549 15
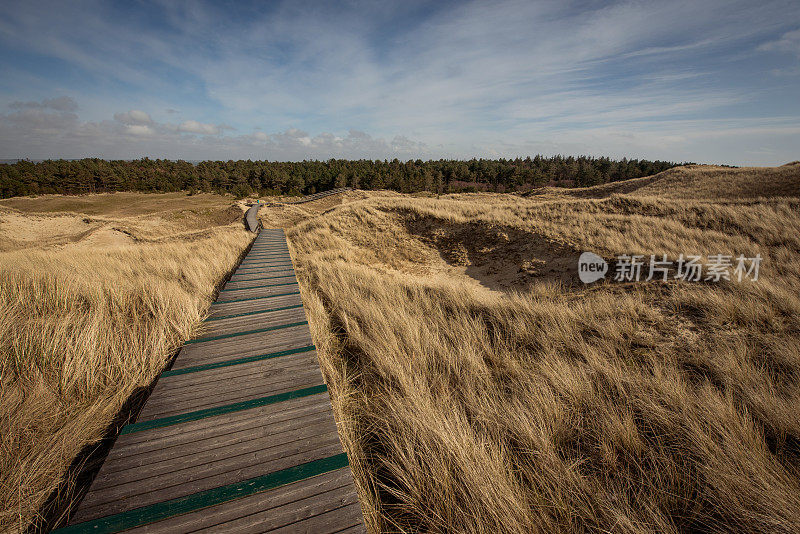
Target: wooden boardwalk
239 435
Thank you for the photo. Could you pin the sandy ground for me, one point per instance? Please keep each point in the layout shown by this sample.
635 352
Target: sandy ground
109 220
20 230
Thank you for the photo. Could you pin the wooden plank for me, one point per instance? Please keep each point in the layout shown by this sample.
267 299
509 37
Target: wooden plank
294 517
231 308
272 509
257 292
254 312
239 389
244 323
196 415
222 456
261 330
216 427
245 280
149 514
161 446
185 482
237 361
250 345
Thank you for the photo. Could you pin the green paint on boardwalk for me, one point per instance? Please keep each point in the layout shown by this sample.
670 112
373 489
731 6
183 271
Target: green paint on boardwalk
222 410
197 501
237 361
260 286
246 332
256 278
257 298
244 265
245 314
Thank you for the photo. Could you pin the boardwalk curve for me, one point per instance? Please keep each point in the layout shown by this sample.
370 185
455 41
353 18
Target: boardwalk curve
251 218
239 435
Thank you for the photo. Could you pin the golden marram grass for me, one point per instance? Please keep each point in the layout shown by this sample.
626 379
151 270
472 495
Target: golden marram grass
83 325
479 387
477 401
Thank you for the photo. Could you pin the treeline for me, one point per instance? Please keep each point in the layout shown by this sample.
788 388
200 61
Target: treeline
306 177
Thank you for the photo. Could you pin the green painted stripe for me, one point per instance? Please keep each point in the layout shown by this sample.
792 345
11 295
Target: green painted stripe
256 273
237 361
268 265
260 261
256 298
277 268
244 314
257 267
265 269
204 499
257 287
222 410
264 265
280 255
260 277
237 334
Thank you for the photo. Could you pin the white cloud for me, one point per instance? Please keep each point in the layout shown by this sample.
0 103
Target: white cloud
789 42
199 128
38 133
133 117
140 129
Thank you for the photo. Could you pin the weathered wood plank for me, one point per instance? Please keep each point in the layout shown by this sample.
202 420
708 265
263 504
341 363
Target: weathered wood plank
239 389
231 308
214 427
168 448
233 452
182 482
252 322
236 294
273 509
221 350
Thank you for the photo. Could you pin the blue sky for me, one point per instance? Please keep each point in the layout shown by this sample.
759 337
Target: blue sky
710 81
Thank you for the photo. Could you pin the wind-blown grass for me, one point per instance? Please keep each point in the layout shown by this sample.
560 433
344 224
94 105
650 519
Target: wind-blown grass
80 329
469 403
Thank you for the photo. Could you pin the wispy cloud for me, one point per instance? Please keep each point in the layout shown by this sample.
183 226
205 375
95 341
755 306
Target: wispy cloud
459 78
788 42
44 133
62 103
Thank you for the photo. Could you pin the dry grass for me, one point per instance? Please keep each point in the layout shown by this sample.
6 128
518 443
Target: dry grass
84 322
707 182
479 387
482 390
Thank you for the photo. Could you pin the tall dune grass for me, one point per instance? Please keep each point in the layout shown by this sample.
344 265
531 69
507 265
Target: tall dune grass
539 407
80 330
